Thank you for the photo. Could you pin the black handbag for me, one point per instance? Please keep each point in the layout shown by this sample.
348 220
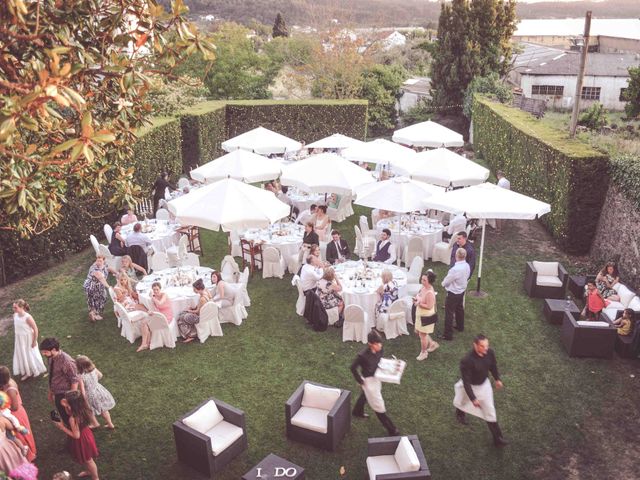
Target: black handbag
429 320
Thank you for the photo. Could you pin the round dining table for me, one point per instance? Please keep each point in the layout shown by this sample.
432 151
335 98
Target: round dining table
404 227
286 237
303 200
360 283
162 233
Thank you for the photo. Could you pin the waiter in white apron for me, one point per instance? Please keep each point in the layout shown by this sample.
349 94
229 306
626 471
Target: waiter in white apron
473 394
367 361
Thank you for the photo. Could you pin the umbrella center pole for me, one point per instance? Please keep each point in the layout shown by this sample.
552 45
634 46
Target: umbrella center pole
477 292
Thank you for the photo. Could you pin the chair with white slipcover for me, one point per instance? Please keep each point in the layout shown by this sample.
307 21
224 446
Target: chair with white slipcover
394 322
229 269
414 248
110 260
209 323
114 299
294 261
181 256
366 231
356 323
364 245
183 182
158 261
162 214
273 264
95 244
129 322
397 458
161 334
237 312
244 277
108 232
302 300
413 276
235 250
442 251
318 415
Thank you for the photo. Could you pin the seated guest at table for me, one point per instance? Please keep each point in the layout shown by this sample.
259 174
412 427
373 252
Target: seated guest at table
161 301
188 319
457 224
117 245
385 250
130 269
306 216
595 302
129 217
310 273
223 293
95 287
338 249
625 322
387 292
310 237
329 289
126 295
606 279
322 222
137 244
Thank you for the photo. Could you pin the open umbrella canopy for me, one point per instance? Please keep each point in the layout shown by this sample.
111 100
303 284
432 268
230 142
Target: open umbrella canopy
337 140
428 134
263 141
240 164
489 201
379 151
448 169
398 194
229 204
325 173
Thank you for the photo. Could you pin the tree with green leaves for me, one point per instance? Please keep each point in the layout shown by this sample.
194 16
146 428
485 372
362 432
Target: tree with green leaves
73 83
280 27
632 93
380 85
491 86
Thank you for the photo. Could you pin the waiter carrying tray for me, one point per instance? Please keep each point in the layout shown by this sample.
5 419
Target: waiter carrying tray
473 393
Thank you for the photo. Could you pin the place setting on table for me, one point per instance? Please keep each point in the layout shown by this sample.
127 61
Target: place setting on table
303 200
403 227
286 237
162 233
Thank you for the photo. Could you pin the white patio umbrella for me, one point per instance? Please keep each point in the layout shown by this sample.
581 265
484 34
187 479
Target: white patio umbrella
228 204
448 169
263 141
428 134
337 140
240 164
325 173
379 151
488 201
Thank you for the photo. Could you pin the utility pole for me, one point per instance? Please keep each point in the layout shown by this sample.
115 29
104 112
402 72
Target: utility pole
583 61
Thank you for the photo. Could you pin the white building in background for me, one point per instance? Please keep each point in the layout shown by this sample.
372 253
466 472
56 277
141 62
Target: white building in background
550 74
608 35
411 92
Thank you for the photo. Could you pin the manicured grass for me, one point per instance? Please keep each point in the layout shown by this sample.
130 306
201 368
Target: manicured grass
548 401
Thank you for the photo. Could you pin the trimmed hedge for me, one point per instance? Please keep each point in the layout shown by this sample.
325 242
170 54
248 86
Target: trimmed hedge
203 130
158 148
625 172
546 164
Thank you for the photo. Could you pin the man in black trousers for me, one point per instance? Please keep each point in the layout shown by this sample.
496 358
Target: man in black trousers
367 360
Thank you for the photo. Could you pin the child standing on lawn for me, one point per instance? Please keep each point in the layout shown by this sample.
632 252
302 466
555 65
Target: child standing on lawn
99 399
595 303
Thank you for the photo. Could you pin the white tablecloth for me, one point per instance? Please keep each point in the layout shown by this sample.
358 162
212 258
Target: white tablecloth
285 237
354 293
412 226
162 237
302 201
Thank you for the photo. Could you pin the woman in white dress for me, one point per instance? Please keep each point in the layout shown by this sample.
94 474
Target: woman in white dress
26 356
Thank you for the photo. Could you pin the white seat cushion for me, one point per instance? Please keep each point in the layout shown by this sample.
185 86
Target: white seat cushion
634 304
406 457
587 323
614 306
311 418
223 435
205 418
546 269
548 281
381 465
610 313
626 295
320 397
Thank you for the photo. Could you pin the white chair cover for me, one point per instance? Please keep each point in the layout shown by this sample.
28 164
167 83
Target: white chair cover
167 194
442 251
130 328
158 261
395 320
323 250
301 302
244 277
273 264
293 263
355 324
161 335
414 248
365 230
112 295
229 269
413 275
112 262
108 231
364 246
209 324
237 312
95 244
183 182
162 214
234 243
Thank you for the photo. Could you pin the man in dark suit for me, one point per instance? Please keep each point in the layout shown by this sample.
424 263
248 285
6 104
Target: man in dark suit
338 249
159 187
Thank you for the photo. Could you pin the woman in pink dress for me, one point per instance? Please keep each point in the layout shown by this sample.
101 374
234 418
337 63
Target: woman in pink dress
9 386
10 455
162 304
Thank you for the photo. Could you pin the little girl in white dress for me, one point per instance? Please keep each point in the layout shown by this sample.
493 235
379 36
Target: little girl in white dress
27 360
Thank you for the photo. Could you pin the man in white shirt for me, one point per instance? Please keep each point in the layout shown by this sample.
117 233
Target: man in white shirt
506 184
457 224
455 283
385 250
138 238
306 215
311 273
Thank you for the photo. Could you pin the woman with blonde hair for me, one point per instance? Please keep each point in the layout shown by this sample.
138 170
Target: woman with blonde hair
96 286
27 360
425 315
329 289
387 292
127 266
126 295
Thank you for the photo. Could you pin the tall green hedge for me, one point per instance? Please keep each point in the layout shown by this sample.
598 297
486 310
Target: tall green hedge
203 130
545 163
158 148
625 172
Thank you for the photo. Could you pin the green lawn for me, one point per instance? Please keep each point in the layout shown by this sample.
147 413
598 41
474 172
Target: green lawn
546 410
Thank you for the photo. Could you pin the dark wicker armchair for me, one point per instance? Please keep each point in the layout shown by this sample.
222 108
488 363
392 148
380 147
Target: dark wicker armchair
545 280
588 339
386 446
338 419
195 448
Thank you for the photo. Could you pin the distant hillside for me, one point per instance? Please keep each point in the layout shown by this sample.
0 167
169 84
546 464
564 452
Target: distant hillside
386 12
